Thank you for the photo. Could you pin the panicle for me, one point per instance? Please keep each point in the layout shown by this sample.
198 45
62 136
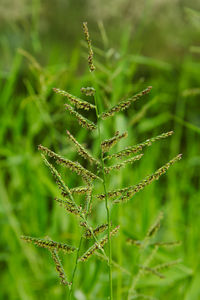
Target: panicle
61 185
79 103
123 164
126 193
124 104
136 148
70 206
88 91
73 166
90 55
49 244
99 229
108 144
82 151
81 120
95 247
59 268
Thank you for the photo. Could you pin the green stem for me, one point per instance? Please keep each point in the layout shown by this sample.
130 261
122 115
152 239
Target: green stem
75 267
106 198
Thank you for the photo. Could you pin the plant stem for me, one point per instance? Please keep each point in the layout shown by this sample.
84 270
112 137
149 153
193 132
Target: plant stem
75 268
106 197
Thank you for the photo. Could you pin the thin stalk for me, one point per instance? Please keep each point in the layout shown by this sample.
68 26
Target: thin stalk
80 243
106 197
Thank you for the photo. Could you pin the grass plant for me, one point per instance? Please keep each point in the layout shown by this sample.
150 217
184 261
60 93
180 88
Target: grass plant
96 173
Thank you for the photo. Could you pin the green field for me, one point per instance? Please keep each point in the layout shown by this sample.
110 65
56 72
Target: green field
149 44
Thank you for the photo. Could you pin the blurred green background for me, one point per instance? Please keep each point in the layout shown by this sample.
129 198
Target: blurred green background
136 44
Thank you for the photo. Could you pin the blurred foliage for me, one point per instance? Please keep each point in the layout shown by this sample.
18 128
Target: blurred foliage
137 43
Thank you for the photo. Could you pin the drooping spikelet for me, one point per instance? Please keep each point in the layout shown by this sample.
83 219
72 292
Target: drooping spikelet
99 229
95 247
49 244
73 166
123 164
79 103
126 193
124 104
81 150
69 206
82 120
136 148
108 144
155 227
61 185
88 91
90 55
59 268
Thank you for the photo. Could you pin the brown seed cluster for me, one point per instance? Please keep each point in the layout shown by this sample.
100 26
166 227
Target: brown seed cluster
49 244
136 148
124 104
81 120
61 185
123 164
88 91
79 190
90 55
95 247
79 103
59 268
99 229
82 151
70 206
108 144
126 193
73 166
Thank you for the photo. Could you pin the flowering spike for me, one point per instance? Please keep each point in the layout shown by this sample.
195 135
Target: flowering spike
124 104
81 150
69 206
108 144
79 190
136 148
73 166
90 55
79 103
49 244
82 120
126 193
99 229
123 164
88 91
59 268
61 185
95 247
